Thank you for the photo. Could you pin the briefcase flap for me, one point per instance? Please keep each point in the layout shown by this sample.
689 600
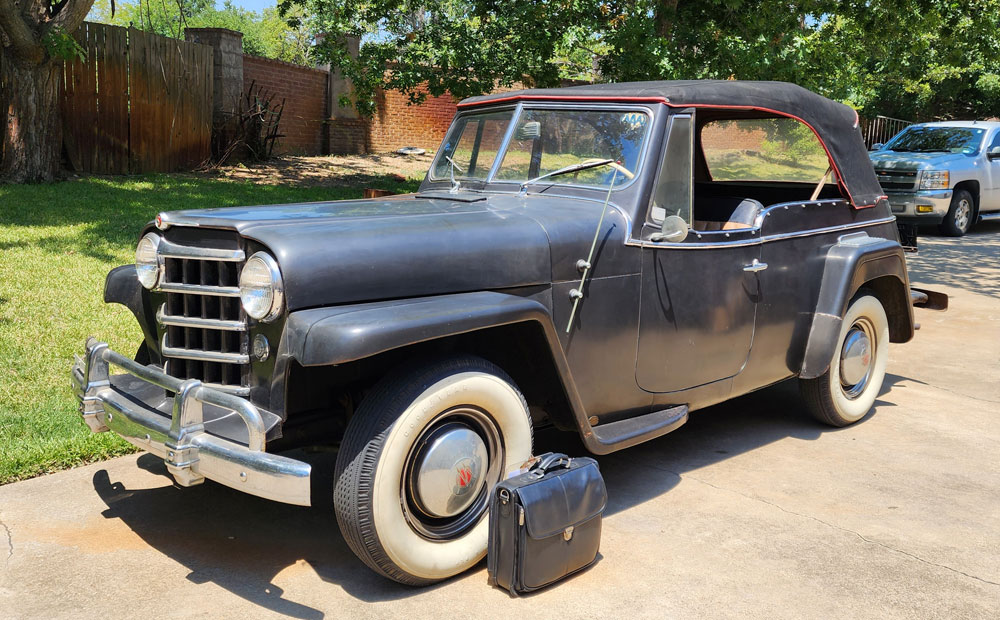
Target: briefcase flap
569 498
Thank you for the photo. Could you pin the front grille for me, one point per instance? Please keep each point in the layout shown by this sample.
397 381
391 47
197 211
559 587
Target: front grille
897 179
203 327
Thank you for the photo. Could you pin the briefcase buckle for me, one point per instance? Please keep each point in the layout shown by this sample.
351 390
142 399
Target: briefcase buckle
568 533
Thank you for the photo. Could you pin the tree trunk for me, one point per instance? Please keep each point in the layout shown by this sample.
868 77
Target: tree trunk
32 138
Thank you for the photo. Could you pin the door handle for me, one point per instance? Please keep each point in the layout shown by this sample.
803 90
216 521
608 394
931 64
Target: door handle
755 266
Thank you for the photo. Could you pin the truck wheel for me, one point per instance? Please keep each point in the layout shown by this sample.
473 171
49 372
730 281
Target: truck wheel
418 461
846 392
958 221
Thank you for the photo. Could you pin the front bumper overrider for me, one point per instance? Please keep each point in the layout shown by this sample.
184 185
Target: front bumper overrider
191 453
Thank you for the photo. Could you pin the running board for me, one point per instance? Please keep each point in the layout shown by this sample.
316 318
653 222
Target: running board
631 431
989 217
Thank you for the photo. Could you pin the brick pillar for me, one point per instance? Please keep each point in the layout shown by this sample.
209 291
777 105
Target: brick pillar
347 130
227 87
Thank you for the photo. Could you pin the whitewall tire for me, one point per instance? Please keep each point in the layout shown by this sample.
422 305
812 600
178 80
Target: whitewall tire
417 462
847 391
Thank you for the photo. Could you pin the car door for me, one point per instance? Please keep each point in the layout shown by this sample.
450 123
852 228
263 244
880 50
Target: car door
990 198
698 295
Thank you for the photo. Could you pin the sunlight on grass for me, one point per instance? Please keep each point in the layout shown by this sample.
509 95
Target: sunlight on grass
57 243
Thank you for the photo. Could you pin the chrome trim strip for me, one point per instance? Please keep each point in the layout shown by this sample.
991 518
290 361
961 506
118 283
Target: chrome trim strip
759 240
198 289
200 355
172 250
189 321
828 229
190 453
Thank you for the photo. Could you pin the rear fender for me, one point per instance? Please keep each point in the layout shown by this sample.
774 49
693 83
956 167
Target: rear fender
857 260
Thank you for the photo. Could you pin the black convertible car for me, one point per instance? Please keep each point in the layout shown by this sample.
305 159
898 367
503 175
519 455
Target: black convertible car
603 259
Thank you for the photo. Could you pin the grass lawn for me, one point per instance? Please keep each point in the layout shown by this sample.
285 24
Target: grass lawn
57 243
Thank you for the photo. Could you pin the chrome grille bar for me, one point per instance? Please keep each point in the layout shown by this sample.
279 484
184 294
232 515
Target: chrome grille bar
172 250
199 289
189 321
200 355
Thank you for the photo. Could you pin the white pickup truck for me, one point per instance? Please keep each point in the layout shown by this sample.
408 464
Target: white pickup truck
945 173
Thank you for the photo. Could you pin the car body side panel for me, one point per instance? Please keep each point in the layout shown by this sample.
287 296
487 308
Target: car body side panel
796 247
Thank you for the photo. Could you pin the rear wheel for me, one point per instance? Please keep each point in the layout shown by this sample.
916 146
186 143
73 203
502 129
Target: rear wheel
847 391
418 461
958 221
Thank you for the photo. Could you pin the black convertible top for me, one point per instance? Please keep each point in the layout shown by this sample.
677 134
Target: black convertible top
835 124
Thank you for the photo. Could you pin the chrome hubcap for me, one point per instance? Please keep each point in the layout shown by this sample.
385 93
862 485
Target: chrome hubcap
449 471
963 212
856 358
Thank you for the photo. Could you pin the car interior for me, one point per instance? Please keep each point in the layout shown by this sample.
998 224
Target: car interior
734 201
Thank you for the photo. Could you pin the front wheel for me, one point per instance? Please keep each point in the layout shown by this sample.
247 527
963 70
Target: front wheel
958 221
417 464
846 392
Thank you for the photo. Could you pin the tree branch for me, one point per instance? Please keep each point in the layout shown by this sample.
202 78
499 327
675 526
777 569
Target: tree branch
23 43
70 17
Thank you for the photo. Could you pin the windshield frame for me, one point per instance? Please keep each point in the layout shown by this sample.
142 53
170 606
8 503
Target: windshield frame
979 147
519 108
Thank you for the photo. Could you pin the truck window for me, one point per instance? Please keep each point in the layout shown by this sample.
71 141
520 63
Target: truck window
770 149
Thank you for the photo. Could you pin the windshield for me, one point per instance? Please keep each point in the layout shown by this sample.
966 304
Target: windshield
473 144
543 141
937 140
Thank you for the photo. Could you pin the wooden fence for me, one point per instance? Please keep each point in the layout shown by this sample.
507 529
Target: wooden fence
138 103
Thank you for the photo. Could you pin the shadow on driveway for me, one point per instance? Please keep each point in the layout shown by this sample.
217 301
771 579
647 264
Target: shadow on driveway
241 543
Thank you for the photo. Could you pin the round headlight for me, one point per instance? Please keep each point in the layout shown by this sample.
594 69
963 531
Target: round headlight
261 290
147 262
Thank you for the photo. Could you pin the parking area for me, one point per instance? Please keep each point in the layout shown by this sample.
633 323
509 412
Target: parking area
750 510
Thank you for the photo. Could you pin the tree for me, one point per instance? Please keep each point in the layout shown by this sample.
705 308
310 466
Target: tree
36 36
266 33
915 58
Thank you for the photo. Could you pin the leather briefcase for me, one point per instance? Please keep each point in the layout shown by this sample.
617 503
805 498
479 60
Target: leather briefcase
545 523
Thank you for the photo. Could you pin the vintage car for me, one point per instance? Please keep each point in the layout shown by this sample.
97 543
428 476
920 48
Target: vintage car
600 259
945 173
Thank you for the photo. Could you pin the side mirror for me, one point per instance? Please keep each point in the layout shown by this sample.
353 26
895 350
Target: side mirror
994 153
674 229
878 146
529 131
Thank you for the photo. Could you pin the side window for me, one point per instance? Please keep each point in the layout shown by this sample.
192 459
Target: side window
996 141
674 183
771 149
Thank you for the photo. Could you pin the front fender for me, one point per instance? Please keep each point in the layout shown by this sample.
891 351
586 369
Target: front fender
849 265
122 287
341 334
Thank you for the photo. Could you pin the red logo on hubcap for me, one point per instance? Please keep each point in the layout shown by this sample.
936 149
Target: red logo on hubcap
464 476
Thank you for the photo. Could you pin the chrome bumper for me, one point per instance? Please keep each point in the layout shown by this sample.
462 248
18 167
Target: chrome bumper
904 205
191 454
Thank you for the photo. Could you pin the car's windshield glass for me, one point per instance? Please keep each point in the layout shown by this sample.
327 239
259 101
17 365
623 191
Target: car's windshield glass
473 144
937 140
546 140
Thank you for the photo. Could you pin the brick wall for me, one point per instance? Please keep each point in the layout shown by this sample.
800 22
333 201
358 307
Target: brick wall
397 124
303 121
727 136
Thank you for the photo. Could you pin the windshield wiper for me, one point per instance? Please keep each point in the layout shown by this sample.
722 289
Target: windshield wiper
583 165
455 185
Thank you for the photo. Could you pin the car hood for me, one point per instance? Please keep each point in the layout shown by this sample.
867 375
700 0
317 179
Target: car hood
393 247
892 160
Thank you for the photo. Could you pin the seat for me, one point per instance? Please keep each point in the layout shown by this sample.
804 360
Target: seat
717 213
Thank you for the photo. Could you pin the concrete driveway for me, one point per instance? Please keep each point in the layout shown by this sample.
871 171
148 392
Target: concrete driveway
750 510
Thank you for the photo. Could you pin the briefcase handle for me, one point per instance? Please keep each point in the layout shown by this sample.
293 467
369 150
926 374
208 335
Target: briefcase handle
551 461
